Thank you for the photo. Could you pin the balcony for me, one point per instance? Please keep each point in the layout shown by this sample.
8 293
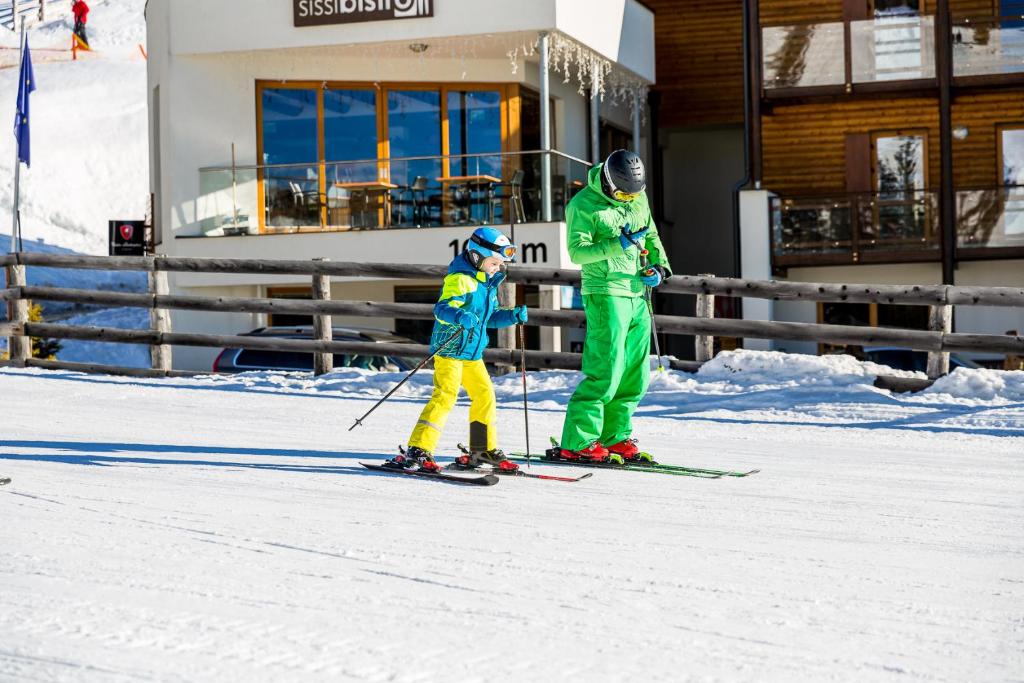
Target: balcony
876 227
409 192
895 227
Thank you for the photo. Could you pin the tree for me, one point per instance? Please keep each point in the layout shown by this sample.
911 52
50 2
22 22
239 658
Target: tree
41 347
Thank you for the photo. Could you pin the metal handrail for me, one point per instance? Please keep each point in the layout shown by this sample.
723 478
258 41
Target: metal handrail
391 159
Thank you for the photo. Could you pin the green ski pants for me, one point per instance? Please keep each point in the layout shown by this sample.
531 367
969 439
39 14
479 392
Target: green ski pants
616 371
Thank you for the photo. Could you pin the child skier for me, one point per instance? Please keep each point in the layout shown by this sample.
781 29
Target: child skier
468 305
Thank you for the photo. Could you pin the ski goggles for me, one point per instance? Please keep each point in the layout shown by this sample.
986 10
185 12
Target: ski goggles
507 251
621 196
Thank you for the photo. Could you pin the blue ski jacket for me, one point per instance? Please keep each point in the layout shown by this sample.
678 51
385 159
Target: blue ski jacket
467 289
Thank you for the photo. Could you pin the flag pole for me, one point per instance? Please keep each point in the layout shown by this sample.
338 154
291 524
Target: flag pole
16 218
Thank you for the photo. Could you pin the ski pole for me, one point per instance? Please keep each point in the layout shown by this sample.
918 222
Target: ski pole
423 362
647 295
526 408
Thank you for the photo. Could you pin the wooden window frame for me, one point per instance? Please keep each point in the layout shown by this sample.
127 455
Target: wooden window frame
510 112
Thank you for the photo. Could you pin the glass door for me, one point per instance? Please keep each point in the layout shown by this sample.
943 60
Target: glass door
1011 153
899 170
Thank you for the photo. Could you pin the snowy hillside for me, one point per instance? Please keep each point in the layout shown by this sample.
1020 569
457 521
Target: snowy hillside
221 528
90 160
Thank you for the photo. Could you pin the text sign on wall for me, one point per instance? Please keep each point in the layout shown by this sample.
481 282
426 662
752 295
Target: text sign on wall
321 12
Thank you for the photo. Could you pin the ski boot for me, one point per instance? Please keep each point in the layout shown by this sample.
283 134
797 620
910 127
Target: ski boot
495 458
595 452
414 459
628 450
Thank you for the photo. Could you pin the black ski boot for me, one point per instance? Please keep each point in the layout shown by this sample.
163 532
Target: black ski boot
414 459
495 458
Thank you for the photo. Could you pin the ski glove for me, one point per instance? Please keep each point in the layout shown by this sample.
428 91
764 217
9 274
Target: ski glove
520 315
630 239
467 320
652 276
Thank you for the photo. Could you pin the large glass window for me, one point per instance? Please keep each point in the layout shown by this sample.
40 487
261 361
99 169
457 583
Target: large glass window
292 179
364 155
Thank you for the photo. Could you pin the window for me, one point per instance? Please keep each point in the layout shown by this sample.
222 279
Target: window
339 154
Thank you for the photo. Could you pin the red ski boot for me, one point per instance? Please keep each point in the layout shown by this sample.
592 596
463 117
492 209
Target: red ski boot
628 450
595 452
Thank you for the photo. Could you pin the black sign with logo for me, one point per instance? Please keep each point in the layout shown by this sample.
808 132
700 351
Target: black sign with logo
127 238
321 12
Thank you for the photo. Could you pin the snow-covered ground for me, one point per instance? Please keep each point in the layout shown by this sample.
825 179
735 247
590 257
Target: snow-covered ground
221 529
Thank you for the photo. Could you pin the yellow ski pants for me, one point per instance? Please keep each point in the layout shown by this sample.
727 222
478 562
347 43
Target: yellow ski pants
449 375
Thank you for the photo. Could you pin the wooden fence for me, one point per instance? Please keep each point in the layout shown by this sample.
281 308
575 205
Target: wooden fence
938 341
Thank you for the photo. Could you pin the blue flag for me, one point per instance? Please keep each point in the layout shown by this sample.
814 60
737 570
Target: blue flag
26 84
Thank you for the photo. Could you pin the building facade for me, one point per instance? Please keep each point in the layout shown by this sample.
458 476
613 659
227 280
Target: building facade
381 130
888 138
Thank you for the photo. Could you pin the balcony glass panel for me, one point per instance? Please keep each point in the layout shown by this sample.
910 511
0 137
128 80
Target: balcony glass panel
803 55
988 46
854 224
893 48
992 217
489 188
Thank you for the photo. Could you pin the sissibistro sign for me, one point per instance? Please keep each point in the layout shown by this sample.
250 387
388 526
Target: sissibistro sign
321 12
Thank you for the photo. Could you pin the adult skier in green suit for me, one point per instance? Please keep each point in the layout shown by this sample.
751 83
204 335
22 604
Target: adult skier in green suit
609 221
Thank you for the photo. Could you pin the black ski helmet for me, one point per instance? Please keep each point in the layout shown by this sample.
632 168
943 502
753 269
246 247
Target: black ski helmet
623 171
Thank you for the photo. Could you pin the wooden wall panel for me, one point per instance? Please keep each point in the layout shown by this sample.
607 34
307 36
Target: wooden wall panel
804 146
960 8
975 158
776 12
699 53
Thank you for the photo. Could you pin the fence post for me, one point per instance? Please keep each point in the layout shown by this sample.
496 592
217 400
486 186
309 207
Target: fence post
42 11
506 335
19 347
322 330
940 319
159 318
705 344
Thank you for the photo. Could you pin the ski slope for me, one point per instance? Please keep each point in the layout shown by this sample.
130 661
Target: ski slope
221 528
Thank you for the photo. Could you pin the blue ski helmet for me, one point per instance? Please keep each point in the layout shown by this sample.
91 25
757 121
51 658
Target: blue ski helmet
487 241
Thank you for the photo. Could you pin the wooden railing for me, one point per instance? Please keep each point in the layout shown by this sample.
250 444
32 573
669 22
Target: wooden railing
938 341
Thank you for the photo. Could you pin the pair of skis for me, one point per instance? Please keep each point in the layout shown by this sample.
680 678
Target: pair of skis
484 478
645 463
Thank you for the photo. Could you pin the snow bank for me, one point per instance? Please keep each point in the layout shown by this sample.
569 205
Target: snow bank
980 386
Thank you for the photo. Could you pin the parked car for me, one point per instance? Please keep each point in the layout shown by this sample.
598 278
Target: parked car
900 358
232 360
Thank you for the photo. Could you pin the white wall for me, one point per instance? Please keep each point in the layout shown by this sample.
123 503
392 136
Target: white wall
619 30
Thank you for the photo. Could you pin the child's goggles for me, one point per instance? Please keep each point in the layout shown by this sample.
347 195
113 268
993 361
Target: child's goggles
507 251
